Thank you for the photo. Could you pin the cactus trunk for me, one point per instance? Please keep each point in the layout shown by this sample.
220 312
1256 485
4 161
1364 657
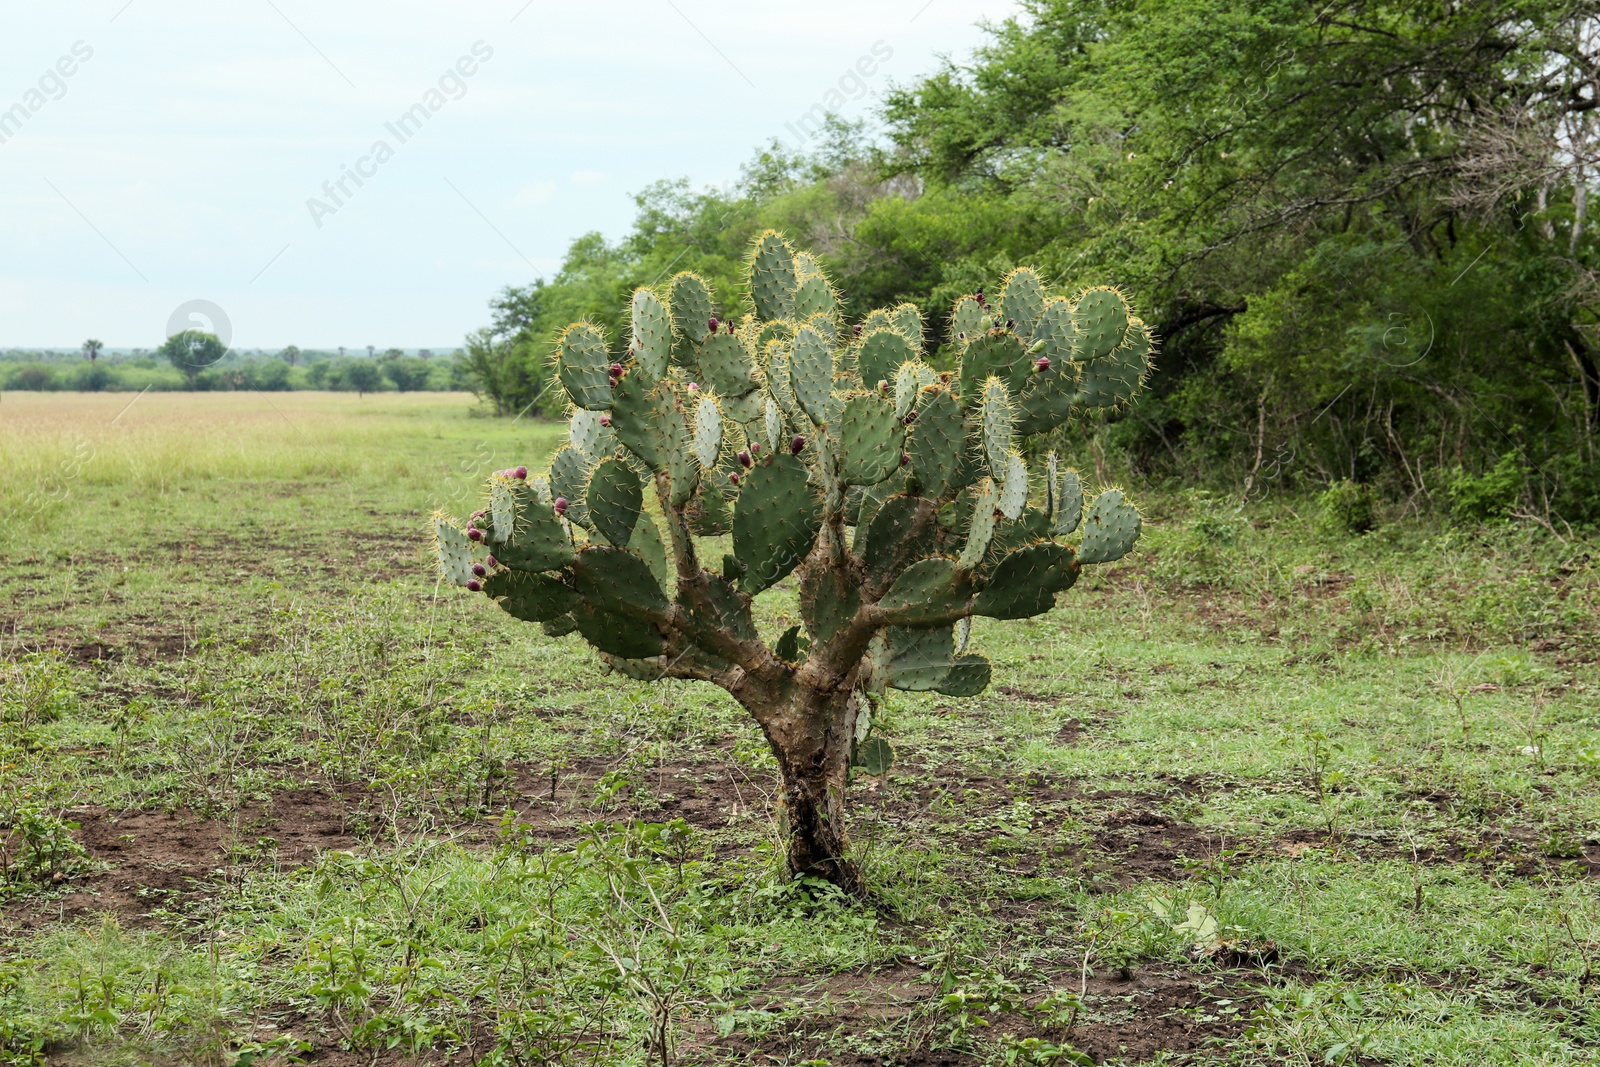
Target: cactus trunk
810 732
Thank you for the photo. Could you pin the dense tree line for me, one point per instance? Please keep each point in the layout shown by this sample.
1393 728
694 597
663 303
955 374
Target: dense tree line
1359 230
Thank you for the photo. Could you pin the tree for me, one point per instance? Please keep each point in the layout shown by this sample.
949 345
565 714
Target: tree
192 351
290 355
785 431
362 375
408 373
91 348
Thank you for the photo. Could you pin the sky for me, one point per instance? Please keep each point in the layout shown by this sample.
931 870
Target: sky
167 163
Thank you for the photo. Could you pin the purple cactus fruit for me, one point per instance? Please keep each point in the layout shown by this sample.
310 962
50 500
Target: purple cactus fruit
616 370
493 562
797 445
474 534
1042 363
755 448
474 585
711 324
479 570
693 388
521 472
978 296
911 416
858 329
883 387
905 459
734 478
605 420
745 460
561 505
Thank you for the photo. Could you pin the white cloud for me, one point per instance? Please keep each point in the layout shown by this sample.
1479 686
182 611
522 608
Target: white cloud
535 194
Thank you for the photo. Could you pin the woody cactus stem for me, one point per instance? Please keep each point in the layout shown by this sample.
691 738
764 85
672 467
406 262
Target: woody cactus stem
900 499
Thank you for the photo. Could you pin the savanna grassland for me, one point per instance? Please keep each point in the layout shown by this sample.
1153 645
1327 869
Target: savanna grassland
1265 792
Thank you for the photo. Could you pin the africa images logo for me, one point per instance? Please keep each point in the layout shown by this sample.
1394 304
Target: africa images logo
452 85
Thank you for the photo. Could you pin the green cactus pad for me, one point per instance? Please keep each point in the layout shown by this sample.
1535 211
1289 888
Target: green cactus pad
874 757
828 601
980 527
814 296
706 443
502 511
787 647
640 416
775 522
584 366
569 477
936 443
613 633
772 277
907 318
780 385
880 355
652 333
618 581
997 420
530 597
652 669
726 366
1022 299
708 513
689 299
1068 504
727 610
877 319
1026 582
904 530
1115 379
1100 323
870 440
683 470
1046 400
589 437
614 498
1055 331
540 542
561 627
811 374
1013 487
920 659
966 321
648 545
968 677
909 380
930 592
453 550
748 411
1001 355
1110 530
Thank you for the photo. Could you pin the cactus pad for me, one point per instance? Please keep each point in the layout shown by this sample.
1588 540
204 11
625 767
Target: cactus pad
881 354
870 440
937 442
1110 530
996 419
966 320
652 333
452 549
1022 299
811 374
772 277
930 592
726 366
530 597
920 659
1068 504
707 441
614 499
593 440
1026 582
1100 321
814 296
641 413
874 757
618 581
999 354
569 477
968 676
690 301
775 522
1013 487
1114 379
584 366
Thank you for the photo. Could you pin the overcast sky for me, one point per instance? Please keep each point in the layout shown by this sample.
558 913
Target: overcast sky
163 151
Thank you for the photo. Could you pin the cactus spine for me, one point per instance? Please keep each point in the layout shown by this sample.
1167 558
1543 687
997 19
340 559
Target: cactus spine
776 431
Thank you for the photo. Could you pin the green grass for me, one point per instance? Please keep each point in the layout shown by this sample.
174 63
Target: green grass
1261 794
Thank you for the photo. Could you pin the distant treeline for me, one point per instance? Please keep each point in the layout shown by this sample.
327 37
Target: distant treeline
1359 230
52 371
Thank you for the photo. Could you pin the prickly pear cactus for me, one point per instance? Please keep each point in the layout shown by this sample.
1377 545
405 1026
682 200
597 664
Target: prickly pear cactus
902 498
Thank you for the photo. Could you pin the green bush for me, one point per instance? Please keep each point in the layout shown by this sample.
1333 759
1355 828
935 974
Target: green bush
1345 507
1489 496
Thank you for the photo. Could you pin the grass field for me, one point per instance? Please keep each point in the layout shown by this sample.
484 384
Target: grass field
268 794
